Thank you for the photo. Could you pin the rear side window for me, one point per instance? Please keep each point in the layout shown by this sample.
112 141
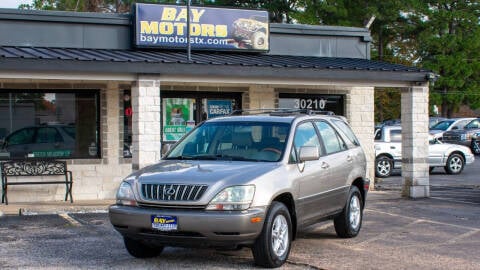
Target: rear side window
48 135
331 140
347 131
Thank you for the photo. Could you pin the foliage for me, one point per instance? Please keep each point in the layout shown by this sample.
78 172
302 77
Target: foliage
440 35
449 44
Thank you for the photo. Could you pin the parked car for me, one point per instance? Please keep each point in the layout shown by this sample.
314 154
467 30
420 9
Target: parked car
40 141
246 180
433 120
388 153
446 125
464 136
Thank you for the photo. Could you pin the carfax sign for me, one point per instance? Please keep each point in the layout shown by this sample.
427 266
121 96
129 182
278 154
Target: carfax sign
165 26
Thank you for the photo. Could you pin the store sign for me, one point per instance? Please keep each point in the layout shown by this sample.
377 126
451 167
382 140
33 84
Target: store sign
165 26
219 108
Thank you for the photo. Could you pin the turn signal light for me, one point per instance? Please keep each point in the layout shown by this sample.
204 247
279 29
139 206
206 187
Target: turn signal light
255 219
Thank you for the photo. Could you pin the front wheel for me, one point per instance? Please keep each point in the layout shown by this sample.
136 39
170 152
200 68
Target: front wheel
455 164
139 249
272 247
383 166
349 221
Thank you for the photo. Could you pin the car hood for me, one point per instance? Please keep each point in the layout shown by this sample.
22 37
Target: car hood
203 172
435 131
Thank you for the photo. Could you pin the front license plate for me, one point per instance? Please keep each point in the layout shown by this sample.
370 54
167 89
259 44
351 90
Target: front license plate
164 223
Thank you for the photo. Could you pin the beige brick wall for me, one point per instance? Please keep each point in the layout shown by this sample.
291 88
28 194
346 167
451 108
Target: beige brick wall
415 142
359 111
261 97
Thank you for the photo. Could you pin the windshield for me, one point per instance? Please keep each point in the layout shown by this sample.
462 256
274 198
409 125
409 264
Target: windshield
241 141
443 125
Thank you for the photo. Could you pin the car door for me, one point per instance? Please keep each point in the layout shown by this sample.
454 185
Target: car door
311 176
340 161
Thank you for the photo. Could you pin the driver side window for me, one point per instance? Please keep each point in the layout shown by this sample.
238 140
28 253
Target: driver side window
305 135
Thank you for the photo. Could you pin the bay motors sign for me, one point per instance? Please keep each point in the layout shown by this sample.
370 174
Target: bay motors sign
165 26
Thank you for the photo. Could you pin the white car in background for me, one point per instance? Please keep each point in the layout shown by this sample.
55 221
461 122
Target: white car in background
449 124
388 153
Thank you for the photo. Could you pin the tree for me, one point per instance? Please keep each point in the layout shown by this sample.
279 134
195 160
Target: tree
449 44
279 10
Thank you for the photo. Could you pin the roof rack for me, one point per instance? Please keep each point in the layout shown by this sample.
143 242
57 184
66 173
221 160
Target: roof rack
280 112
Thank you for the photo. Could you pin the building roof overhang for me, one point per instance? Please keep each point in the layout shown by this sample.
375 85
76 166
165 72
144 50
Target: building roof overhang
232 65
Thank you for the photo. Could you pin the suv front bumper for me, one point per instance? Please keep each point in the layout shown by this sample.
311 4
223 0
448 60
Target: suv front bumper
195 227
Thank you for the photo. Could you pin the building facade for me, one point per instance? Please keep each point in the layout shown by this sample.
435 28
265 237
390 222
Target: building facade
74 86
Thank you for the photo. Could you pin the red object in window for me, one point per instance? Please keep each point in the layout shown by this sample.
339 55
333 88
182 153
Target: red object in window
128 111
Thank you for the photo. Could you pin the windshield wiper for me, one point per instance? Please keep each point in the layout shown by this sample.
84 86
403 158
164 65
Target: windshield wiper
200 157
237 158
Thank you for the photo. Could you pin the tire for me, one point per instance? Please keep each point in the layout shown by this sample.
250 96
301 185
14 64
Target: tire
139 249
259 41
475 147
273 245
349 222
455 164
383 166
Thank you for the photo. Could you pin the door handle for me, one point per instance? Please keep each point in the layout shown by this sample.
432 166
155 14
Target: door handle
325 165
392 147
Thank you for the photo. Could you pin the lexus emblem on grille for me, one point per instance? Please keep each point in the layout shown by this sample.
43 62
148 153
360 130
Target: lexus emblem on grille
169 192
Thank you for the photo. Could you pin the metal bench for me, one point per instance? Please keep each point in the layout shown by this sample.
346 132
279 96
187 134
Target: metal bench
26 168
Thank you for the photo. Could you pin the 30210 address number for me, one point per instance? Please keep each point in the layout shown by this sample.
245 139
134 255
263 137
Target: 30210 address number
310 103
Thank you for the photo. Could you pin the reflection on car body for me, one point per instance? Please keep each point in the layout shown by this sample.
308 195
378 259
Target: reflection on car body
40 141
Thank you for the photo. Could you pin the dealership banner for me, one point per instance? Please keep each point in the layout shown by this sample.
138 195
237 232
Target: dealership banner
165 26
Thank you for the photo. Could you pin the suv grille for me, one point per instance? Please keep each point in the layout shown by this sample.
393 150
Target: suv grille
172 192
451 137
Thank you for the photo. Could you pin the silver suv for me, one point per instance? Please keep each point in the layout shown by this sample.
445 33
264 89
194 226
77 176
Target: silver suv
246 180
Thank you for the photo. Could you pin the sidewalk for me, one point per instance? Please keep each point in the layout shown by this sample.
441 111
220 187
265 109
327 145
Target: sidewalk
56 207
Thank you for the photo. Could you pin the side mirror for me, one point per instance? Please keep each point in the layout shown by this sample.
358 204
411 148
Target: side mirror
309 153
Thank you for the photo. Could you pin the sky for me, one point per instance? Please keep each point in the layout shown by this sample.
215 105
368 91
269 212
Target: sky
13 3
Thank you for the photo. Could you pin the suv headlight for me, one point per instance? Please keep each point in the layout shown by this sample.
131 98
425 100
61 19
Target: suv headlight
463 137
125 195
233 198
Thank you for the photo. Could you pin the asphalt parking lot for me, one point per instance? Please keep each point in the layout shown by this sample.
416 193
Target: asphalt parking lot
442 232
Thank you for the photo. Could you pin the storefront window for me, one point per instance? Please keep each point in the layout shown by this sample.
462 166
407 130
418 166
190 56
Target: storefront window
182 111
49 124
332 103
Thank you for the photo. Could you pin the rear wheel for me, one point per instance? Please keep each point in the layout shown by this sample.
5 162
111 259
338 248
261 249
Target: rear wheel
455 164
348 223
475 147
383 166
272 247
139 249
